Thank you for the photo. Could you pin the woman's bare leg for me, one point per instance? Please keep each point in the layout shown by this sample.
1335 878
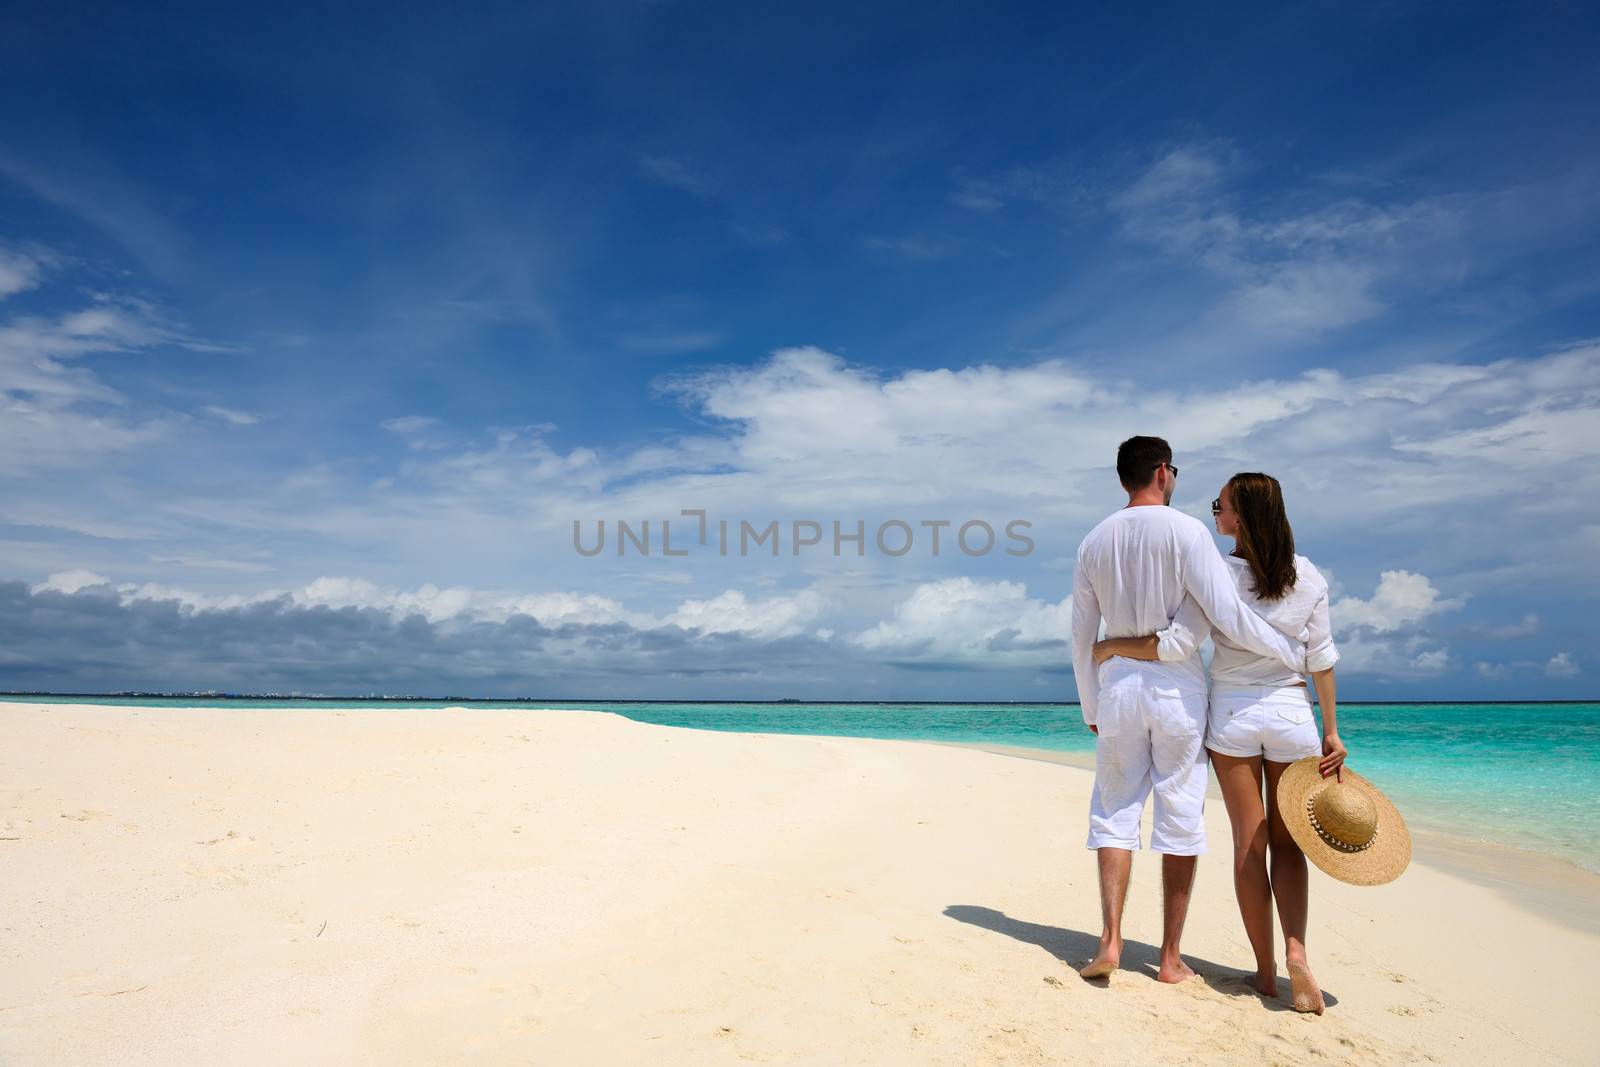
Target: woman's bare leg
1291 890
1240 779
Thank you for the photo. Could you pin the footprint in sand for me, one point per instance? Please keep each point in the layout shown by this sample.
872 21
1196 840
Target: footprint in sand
84 814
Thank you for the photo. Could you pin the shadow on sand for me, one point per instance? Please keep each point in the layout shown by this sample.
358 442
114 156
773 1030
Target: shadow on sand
1076 948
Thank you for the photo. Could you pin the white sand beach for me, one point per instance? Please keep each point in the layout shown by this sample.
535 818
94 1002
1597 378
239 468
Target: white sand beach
184 886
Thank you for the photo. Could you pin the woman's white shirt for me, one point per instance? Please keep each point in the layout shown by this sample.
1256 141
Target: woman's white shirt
1302 610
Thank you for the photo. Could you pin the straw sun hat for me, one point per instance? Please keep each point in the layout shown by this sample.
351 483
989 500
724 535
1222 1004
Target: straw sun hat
1345 826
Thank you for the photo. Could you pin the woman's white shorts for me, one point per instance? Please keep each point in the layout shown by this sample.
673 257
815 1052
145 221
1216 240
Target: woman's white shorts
1271 721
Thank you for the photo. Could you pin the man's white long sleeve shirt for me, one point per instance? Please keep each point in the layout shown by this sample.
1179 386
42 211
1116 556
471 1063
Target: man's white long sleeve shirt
1134 570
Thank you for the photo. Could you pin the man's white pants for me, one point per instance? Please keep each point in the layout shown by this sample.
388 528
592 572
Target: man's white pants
1151 738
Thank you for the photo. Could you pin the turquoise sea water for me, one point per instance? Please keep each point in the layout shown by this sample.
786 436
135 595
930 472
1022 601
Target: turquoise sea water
1526 775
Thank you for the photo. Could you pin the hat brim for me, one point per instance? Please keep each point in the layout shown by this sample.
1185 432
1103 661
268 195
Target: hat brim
1383 861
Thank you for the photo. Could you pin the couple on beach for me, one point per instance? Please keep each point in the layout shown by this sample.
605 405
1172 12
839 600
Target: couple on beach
1156 578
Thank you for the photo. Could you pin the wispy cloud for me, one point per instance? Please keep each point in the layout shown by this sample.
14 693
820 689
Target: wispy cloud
91 187
20 270
1059 185
677 174
1291 273
237 566
405 425
233 416
1561 666
59 414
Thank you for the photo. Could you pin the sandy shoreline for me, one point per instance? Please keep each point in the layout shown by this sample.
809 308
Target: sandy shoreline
207 886
1544 884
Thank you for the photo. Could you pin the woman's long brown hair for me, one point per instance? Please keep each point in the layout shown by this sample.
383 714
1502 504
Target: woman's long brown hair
1265 540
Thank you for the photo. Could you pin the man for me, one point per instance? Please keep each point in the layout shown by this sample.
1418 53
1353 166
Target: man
1149 717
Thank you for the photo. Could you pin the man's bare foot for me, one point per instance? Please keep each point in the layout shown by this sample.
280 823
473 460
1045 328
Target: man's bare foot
1265 983
1105 961
1303 986
1174 972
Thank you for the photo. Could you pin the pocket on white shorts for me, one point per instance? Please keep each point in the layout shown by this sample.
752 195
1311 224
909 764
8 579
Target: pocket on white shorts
1295 713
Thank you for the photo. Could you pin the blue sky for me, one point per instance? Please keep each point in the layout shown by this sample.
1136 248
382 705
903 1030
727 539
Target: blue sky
318 332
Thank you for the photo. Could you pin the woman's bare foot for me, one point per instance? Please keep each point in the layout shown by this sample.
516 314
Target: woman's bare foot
1174 971
1303 986
1265 983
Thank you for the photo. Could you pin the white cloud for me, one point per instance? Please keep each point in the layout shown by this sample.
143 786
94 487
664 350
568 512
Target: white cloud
410 424
1386 635
733 612
232 415
71 581
1307 297
1298 272
958 620
813 428
808 434
19 271
1560 665
1559 431
1402 598
1173 182
57 414
1433 661
677 174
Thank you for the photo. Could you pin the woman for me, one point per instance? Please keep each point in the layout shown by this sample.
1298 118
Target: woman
1260 717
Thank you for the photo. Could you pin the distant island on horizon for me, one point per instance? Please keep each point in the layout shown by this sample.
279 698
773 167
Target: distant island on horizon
403 698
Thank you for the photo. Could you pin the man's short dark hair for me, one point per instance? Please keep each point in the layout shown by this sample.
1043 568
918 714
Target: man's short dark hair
1138 458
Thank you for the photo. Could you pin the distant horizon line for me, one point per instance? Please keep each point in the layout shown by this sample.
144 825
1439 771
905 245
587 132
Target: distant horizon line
605 700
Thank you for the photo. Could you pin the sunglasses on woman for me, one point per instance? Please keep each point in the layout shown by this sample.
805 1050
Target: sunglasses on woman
1216 506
